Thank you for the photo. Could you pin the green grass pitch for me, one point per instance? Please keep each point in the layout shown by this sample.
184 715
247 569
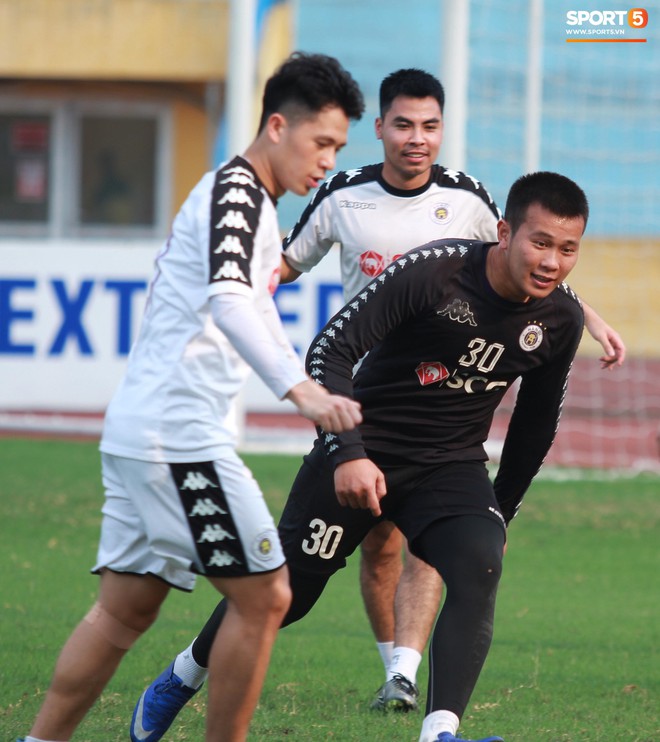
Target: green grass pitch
574 658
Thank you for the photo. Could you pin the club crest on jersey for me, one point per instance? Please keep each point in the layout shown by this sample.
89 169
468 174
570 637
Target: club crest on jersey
431 372
263 546
531 337
442 213
459 311
371 263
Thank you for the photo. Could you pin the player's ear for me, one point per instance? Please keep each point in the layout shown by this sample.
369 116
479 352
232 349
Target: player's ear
275 126
378 125
503 232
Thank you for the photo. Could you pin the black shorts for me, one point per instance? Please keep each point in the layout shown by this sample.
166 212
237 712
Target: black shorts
318 534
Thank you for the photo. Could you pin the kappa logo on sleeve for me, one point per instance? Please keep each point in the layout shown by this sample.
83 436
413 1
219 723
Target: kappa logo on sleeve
230 269
236 196
239 175
231 244
234 219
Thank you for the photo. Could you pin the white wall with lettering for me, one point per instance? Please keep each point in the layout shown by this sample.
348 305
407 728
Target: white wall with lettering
69 313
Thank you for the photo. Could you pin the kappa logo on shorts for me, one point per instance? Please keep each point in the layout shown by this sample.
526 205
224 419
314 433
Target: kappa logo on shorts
213 533
206 507
213 529
221 559
195 480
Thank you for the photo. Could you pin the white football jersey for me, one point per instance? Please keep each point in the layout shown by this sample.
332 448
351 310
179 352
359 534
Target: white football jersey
174 403
374 223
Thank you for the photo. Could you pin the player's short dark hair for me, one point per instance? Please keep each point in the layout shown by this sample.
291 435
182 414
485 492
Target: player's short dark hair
305 84
556 193
413 83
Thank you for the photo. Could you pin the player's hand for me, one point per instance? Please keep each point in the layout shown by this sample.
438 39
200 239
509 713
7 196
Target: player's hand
614 347
332 412
608 337
360 484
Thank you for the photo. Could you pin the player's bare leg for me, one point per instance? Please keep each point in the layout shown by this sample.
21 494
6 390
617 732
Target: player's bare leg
380 569
415 608
128 604
241 651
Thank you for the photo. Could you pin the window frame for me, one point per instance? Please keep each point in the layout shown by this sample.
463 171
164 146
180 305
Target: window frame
66 114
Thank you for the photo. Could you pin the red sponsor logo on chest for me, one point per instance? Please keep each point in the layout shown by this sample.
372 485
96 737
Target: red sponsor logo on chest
371 263
431 372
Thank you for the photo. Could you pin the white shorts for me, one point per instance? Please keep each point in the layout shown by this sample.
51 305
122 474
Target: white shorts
173 520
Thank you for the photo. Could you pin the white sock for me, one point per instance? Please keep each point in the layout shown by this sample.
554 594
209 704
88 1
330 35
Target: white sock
185 667
405 661
437 722
385 650
36 739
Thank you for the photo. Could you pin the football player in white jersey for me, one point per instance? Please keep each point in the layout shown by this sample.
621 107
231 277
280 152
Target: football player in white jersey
179 501
375 213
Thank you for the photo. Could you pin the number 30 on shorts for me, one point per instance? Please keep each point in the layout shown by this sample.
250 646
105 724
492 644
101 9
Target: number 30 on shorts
324 539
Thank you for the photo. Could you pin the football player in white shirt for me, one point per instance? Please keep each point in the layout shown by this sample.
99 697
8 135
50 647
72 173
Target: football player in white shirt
179 501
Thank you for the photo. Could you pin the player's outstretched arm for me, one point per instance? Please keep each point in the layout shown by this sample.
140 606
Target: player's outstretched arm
359 483
608 337
332 412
